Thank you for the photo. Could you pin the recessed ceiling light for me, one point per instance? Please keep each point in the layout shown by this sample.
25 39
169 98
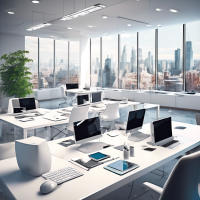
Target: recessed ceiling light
69 28
148 25
90 26
88 35
158 9
137 0
173 10
104 17
52 36
11 13
128 24
159 25
35 1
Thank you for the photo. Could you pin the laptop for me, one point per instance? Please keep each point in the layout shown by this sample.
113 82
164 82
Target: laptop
161 133
96 100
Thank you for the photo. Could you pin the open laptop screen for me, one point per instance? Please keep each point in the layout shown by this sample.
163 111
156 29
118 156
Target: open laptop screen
162 129
70 86
28 103
96 97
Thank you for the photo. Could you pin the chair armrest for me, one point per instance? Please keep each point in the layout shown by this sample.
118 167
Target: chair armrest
153 187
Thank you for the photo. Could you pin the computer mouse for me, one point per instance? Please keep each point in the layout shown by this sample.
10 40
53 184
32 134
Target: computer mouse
48 186
85 159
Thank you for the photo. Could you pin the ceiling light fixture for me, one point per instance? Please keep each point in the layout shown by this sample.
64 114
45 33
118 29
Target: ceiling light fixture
128 24
11 13
84 12
38 26
88 35
90 26
51 36
173 10
148 25
69 28
158 9
104 17
159 25
35 1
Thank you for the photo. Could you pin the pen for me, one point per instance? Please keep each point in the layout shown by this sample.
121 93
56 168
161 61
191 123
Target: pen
109 160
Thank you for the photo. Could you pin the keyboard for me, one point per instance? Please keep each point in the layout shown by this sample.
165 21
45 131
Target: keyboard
171 144
62 175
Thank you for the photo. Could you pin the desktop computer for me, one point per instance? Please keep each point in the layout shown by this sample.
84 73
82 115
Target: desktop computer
88 130
28 103
134 124
83 100
70 86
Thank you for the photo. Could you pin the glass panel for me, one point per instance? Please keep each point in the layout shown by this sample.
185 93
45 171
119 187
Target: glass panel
95 63
170 65
74 64
61 62
147 60
193 56
110 61
46 63
128 61
31 45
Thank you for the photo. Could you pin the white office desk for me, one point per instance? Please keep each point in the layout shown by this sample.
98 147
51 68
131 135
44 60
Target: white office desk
81 91
38 122
97 182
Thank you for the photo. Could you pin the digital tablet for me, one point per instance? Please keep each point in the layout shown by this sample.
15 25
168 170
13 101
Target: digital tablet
98 156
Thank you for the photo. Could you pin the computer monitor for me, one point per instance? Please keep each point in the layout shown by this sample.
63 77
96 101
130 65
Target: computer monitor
28 103
82 99
87 130
134 123
70 86
161 130
96 97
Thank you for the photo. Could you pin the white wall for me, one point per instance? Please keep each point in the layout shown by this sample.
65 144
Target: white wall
85 61
11 43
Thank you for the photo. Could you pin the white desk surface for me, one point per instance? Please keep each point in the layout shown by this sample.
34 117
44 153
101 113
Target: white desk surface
38 122
97 182
82 91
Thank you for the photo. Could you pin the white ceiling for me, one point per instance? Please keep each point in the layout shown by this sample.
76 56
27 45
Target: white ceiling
189 10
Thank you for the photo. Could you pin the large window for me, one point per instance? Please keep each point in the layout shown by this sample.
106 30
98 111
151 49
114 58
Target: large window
31 45
147 60
110 61
170 65
128 61
46 68
61 62
192 54
74 63
95 63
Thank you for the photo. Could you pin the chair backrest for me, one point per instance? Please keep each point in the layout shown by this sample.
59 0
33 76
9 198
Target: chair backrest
77 114
7 150
14 102
62 88
184 179
111 112
197 116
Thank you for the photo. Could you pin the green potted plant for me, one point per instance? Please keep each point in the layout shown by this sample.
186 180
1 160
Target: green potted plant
14 75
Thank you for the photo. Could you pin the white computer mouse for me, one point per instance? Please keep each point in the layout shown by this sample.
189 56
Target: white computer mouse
48 186
85 159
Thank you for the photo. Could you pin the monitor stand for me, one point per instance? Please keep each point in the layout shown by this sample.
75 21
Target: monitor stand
137 136
90 147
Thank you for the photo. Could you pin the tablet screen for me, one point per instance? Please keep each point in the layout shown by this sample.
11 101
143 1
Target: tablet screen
121 165
98 156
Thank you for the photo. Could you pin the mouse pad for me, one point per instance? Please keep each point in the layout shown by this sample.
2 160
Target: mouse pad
180 127
67 141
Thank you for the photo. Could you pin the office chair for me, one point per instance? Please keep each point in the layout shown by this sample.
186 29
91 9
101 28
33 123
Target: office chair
63 94
183 182
77 114
197 116
110 114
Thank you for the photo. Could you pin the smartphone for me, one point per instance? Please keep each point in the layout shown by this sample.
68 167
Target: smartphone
98 156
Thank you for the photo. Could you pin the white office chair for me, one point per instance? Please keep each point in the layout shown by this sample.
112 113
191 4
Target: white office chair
63 94
183 182
110 114
77 114
197 116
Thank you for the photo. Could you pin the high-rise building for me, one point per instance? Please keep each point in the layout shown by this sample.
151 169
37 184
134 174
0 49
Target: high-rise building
177 61
107 73
124 55
189 56
133 61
